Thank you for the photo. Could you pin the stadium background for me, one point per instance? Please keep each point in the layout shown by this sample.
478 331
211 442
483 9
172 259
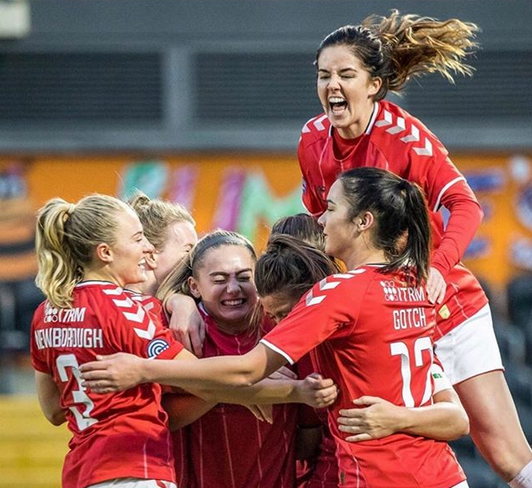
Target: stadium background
202 101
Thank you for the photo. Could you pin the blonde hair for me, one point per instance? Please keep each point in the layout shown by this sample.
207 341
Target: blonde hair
157 215
66 235
400 47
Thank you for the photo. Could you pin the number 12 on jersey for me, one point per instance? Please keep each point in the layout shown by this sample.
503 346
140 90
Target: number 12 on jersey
401 349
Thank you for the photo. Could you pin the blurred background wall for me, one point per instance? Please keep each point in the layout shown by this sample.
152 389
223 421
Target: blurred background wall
202 102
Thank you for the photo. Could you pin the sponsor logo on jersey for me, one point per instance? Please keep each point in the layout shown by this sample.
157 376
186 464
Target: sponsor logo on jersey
394 293
63 315
156 347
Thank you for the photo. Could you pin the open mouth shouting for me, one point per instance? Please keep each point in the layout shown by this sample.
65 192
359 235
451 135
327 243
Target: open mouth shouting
337 105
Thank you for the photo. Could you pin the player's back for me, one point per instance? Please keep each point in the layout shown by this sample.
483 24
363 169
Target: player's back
124 434
386 351
371 332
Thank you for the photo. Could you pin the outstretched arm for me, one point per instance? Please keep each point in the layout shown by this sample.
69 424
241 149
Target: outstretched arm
121 371
314 391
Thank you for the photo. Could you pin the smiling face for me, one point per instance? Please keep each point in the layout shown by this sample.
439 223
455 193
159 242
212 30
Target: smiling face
181 238
126 258
224 282
346 90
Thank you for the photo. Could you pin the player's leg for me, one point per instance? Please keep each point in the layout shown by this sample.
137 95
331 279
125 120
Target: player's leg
472 361
494 423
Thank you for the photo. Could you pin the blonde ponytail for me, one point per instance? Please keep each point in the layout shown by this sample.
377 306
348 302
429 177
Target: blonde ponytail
58 272
66 237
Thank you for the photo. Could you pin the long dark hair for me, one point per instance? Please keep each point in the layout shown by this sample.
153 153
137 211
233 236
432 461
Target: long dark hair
304 227
400 210
291 266
400 47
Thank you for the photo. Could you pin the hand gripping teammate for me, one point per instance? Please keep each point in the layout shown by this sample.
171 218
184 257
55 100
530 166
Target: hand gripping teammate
370 329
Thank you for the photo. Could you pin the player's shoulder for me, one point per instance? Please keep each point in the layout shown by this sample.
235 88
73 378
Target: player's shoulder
39 314
339 285
316 128
397 130
149 302
101 293
110 300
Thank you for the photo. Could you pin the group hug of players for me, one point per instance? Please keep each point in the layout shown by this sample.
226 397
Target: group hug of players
358 323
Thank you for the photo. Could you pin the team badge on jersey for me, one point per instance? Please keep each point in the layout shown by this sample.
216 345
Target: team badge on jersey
156 347
444 312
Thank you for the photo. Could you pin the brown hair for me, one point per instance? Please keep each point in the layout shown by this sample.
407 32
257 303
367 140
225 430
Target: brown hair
400 210
291 266
399 47
304 227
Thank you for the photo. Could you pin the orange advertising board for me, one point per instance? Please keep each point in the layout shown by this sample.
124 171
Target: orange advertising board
248 192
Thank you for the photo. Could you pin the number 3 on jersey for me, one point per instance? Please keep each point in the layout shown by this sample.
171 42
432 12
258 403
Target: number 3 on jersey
82 413
401 349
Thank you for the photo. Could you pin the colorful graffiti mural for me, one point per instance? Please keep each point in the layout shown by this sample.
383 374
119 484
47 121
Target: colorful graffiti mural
247 193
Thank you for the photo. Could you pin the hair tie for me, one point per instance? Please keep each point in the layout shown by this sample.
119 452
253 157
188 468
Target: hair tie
404 185
71 209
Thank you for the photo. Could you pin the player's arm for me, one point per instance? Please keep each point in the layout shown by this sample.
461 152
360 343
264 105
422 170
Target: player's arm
445 420
375 418
183 409
314 391
464 220
49 398
445 186
311 201
186 322
121 371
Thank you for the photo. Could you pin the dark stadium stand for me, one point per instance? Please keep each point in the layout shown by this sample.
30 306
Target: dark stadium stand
512 344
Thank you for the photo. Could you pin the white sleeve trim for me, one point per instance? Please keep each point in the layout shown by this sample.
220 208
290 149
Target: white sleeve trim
372 118
277 350
441 382
444 189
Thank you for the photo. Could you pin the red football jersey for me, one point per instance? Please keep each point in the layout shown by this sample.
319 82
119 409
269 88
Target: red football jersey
114 435
322 471
371 333
151 304
228 446
400 143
